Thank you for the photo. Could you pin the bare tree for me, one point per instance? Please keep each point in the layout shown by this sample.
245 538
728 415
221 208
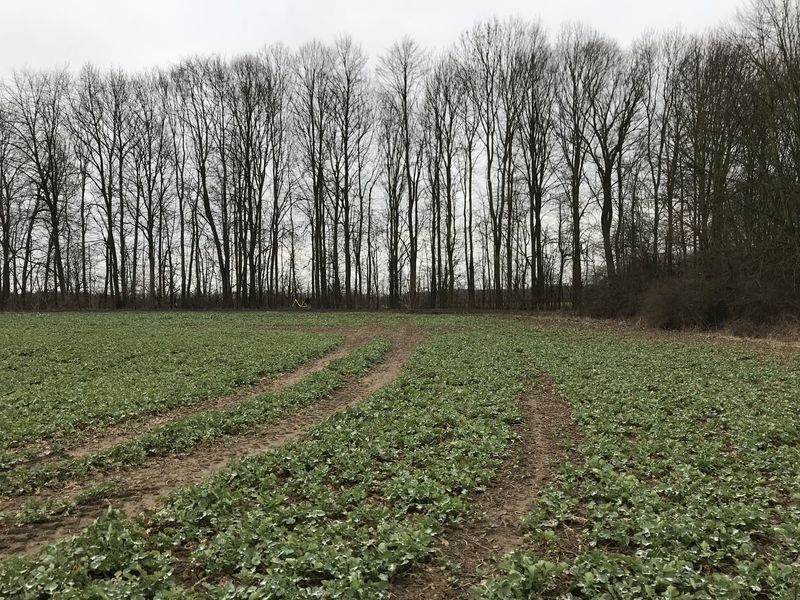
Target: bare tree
40 116
11 203
202 86
392 148
243 181
614 97
350 114
153 175
312 105
401 73
577 80
536 141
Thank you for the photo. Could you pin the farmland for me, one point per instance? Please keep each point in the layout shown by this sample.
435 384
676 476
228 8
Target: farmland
60 374
355 455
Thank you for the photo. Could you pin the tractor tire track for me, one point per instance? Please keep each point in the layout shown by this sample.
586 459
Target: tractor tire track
146 486
109 437
133 428
475 547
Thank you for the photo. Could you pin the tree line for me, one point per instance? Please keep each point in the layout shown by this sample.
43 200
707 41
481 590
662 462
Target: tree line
514 170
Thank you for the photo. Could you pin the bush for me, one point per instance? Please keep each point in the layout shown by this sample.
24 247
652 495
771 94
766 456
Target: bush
608 299
780 326
705 295
680 302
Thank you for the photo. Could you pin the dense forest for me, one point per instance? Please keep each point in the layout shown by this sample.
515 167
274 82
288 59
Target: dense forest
518 169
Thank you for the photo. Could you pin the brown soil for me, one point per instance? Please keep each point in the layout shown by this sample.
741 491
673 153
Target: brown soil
469 553
147 485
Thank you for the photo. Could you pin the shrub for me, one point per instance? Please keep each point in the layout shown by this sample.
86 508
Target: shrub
679 302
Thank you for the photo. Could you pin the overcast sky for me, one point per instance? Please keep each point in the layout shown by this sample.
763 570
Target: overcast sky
137 34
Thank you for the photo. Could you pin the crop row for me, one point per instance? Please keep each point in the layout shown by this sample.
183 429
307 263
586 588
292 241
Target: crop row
333 516
688 484
65 376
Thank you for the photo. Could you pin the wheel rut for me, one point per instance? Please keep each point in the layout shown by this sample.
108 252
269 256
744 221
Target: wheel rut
131 428
469 553
147 485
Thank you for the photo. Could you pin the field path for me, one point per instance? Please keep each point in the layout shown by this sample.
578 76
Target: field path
130 428
148 484
496 527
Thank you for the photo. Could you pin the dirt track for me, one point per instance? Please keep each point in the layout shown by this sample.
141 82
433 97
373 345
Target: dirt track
496 529
130 428
146 485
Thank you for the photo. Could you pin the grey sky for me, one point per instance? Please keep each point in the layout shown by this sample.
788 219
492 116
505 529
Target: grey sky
137 34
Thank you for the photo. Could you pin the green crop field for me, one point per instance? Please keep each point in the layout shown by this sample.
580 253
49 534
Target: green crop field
62 374
670 470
